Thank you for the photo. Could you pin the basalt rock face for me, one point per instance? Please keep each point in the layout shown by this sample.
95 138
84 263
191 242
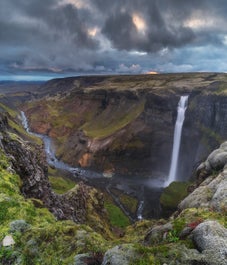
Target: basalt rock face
211 192
126 124
204 127
29 162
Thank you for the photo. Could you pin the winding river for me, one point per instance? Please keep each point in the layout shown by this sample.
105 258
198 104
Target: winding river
147 193
50 154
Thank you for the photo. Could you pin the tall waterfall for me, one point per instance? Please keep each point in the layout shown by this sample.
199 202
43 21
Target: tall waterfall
182 106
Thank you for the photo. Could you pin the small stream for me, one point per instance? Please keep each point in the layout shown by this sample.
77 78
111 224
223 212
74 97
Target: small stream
146 191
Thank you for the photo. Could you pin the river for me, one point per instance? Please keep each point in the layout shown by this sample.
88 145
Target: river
145 190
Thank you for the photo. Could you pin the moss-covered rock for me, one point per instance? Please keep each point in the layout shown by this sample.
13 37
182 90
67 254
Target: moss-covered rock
173 195
120 255
211 239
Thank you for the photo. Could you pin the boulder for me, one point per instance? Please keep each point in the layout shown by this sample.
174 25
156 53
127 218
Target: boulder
212 193
211 240
219 199
157 233
120 255
8 241
200 197
216 161
81 259
19 226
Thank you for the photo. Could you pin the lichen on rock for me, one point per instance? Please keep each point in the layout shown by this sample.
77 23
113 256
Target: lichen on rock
211 239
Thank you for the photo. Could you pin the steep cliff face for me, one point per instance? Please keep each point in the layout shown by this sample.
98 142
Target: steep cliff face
204 128
125 124
80 204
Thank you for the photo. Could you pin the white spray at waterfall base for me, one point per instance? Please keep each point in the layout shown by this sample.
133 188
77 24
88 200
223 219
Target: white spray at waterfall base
182 106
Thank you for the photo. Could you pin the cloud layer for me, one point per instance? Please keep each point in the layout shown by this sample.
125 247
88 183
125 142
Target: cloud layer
121 36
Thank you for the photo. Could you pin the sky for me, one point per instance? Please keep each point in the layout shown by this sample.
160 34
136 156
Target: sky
56 38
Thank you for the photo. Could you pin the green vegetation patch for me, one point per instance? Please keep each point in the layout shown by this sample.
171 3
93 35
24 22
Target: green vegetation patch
222 90
116 216
45 241
193 215
58 183
113 119
174 194
59 243
129 202
12 112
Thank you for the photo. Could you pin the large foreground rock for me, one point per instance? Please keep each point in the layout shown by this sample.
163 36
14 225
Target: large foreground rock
120 255
211 240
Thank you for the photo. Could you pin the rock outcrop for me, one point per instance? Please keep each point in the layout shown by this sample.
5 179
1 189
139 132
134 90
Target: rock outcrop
211 240
120 255
197 216
211 192
29 161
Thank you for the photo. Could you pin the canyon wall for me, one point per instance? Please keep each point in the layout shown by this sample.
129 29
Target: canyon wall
125 124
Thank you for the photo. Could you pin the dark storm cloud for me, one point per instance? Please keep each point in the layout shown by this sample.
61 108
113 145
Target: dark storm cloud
122 31
164 20
46 22
47 35
110 36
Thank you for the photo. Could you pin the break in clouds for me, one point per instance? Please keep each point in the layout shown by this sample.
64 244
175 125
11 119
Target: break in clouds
106 36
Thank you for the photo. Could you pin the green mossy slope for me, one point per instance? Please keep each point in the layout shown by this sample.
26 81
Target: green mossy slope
112 120
46 241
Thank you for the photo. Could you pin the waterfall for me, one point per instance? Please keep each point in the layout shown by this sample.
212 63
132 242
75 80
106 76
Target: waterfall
140 210
24 122
182 106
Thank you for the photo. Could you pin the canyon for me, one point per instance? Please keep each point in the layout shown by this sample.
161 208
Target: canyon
124 125
120 128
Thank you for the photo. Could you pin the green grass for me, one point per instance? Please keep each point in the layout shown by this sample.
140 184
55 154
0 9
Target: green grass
222 90
12 112
47 241
116 216
61 185
129 202
112 120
